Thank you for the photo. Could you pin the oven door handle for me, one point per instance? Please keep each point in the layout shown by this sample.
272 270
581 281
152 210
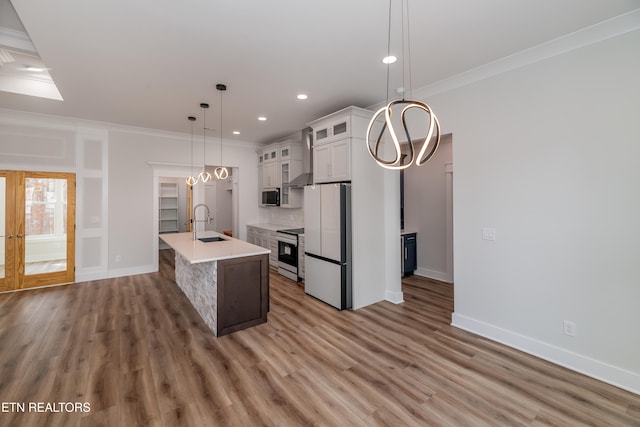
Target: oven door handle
289 242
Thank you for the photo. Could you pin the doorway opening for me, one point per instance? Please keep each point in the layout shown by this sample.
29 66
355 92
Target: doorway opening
174 202
175 206
427 209
218 196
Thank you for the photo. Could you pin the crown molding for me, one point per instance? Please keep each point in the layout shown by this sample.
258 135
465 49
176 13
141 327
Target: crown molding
596 33
47 121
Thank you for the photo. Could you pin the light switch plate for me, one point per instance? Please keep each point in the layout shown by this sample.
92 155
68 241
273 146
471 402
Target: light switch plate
488 233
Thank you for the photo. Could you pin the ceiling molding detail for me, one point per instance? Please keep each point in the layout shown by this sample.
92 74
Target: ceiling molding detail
47 121
613 27
17 40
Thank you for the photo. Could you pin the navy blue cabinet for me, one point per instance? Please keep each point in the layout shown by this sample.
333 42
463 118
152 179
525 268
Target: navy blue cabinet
409 256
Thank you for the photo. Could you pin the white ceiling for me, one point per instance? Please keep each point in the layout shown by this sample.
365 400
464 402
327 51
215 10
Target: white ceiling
149 63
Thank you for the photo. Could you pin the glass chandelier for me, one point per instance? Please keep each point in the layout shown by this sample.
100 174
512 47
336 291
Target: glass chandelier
428 144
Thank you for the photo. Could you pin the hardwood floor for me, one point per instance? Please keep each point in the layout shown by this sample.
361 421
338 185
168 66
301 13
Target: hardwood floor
138 353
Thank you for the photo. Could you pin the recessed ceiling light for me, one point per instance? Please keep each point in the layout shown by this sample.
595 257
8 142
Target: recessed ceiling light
262 118
302 96
236 132
389 59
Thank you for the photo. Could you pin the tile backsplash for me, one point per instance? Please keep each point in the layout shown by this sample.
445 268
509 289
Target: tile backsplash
288 217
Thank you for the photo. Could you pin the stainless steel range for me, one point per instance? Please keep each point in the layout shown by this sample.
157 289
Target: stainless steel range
288 252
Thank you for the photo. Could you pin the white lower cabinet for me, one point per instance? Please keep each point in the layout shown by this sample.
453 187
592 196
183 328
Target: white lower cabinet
273 245
264 238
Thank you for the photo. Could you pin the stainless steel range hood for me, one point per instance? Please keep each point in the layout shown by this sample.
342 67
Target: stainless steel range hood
306 177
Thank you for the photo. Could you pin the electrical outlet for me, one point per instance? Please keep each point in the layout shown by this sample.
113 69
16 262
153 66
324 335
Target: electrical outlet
570 328
488 234
118 259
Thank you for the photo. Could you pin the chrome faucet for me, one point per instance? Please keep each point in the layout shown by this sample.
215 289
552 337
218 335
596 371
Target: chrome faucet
196 221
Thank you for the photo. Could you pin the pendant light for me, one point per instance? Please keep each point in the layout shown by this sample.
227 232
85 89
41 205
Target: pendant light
428 144
204 175
221 172
191 179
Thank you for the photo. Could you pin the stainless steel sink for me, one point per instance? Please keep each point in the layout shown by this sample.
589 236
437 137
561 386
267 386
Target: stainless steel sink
211 239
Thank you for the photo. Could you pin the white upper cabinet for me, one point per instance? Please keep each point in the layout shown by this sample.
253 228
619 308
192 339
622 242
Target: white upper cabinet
270 175
278 165
290 168
329 131
332 162
270 154
270 157
333 137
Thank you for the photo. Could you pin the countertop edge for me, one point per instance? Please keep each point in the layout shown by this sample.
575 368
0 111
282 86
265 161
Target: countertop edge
196 252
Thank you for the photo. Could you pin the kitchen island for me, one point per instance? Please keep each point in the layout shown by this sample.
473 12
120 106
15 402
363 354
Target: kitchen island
227 281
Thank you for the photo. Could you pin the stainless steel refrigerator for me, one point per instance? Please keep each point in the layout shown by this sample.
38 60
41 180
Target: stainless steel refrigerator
327 228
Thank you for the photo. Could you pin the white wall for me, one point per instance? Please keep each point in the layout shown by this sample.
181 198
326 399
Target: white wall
37 142
293 217
131 190
115 211
548 154
425 211
218 197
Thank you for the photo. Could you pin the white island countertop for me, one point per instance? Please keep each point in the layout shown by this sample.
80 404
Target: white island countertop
196 251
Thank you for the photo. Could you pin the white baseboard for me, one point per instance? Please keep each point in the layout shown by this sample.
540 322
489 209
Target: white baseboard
394 297
90 275
131 271
576 362
433 274
113 273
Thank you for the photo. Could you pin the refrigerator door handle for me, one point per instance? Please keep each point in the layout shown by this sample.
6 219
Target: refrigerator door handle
320 257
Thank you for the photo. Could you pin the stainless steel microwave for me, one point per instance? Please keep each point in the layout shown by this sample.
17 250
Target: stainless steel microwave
270 197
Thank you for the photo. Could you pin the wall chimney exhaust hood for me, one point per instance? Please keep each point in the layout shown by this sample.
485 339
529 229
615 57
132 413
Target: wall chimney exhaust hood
306 177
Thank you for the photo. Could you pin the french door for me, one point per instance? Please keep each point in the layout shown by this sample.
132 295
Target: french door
37 229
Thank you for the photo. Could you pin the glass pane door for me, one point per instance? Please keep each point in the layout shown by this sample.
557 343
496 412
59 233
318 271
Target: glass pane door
49 228
45 225
285 183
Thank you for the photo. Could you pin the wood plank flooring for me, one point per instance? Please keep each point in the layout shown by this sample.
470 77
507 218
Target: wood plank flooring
138 353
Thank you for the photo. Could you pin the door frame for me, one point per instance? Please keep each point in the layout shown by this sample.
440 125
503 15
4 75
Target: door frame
7 281
15 227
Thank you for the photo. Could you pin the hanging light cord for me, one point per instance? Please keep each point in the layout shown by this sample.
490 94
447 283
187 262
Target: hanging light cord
191 179
204 175
388 52
221 172
408 53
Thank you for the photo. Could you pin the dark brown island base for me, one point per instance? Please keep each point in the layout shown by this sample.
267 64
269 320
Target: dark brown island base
227 281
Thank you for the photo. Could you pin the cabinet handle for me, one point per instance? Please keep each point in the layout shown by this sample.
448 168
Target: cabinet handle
405 252
9 236
20 236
